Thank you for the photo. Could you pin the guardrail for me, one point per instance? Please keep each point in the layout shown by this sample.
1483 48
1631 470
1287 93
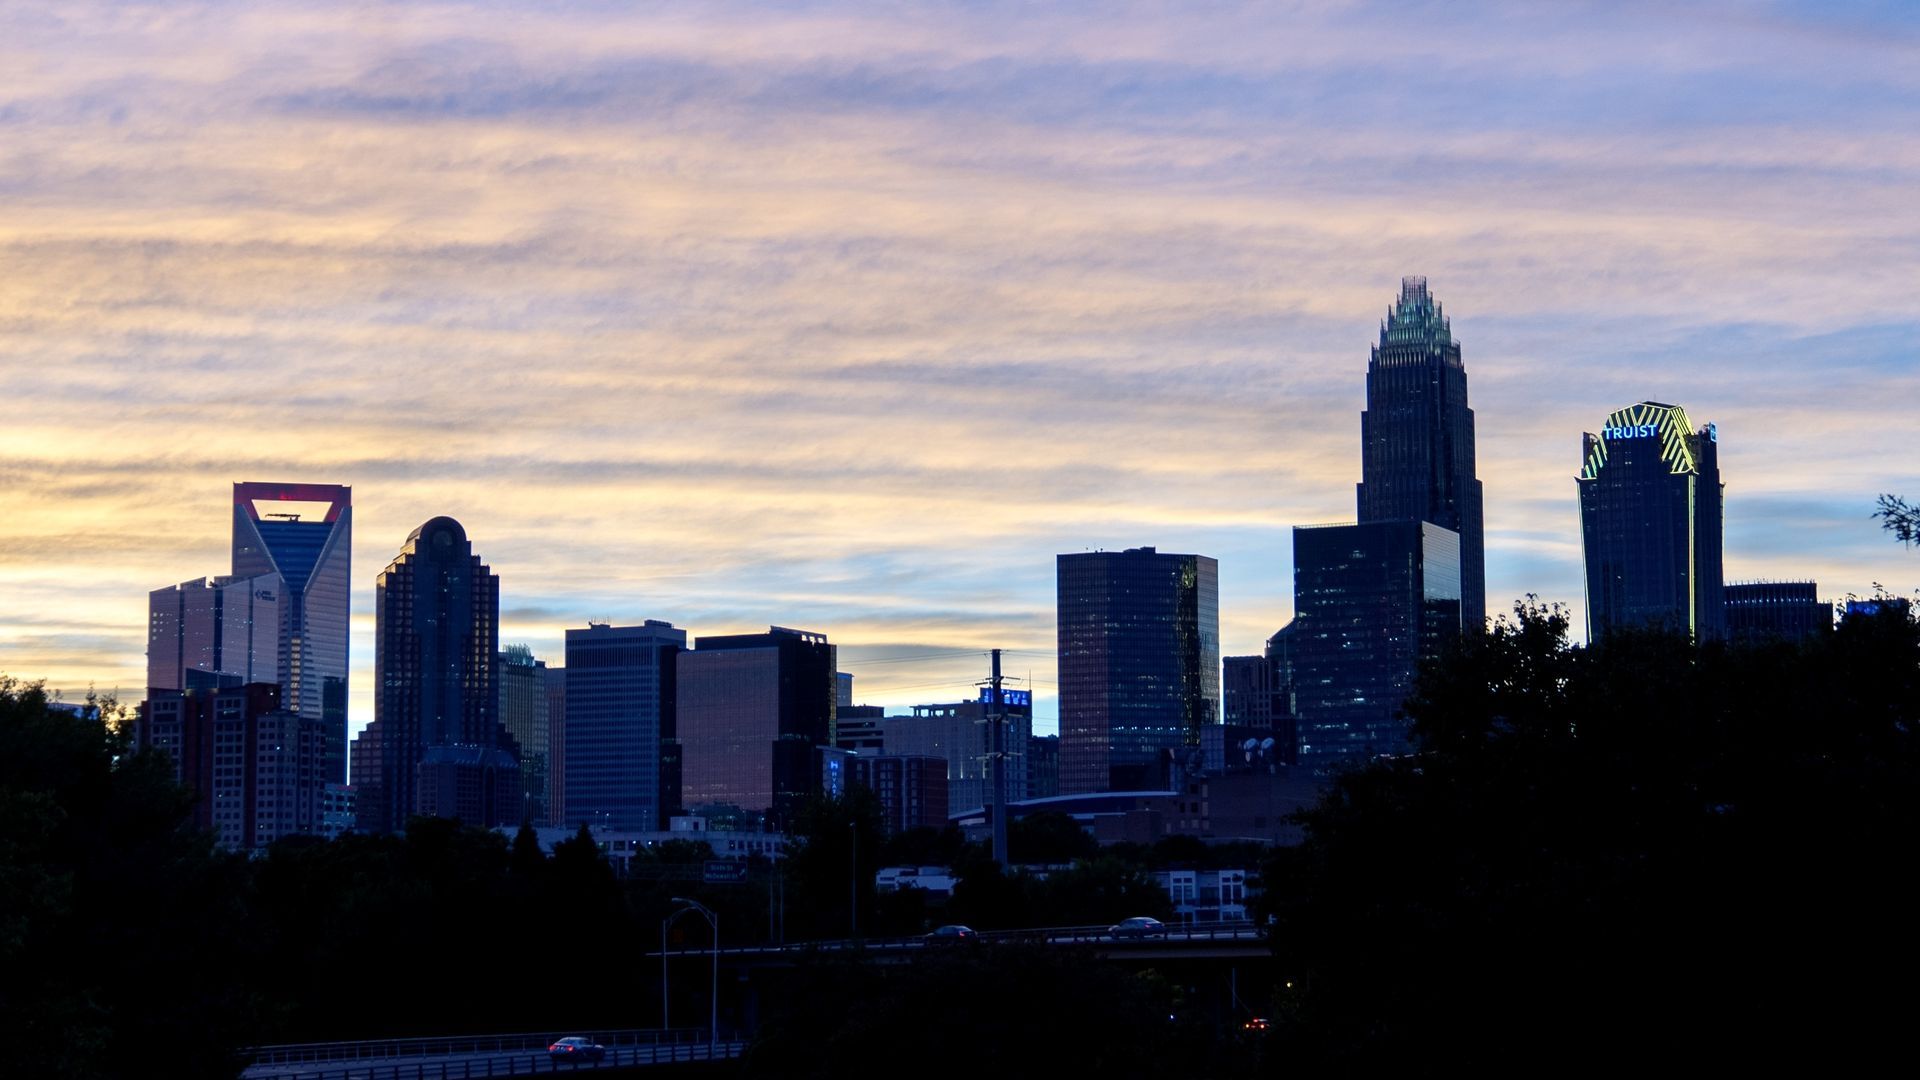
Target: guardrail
454 1067
1053 935
445 1045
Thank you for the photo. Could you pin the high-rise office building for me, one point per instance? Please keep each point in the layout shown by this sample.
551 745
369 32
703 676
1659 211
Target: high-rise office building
302 534
556 682
436 723
1776 611
621 734
1246 691
213 627
1043 766
1139 656
254 768
912 791
1650 519
1371 602
1416 436
1285 730
522 680
859 728
753 711
957 734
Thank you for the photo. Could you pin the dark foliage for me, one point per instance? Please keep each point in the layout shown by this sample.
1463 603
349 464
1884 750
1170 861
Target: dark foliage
1603 853
1000 1010
121 931
1899 517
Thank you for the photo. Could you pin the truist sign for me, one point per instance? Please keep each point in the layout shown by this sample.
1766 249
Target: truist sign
1631 431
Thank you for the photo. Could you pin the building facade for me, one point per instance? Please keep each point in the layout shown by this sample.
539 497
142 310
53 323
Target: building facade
522 680
436 731
1776 611
621 733
752 711
912 790
1246 691
1043 766
1650 523
1416 436
254 768
1139 662
1371 602
302 536
224 626
958 734
859 728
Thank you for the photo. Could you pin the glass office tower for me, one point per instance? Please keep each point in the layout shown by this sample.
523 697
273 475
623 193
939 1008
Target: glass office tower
754 710
1650 520
302 534
1139 647
214 626
1416 436
1372 601
436 707
522 680
620 724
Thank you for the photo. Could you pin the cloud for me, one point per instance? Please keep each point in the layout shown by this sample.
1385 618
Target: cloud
853 318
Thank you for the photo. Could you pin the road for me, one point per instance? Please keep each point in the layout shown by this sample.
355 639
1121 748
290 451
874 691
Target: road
460 1065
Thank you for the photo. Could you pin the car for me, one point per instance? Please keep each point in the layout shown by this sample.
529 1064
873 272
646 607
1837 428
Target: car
1257 1023
1140 926
952 935
576 1048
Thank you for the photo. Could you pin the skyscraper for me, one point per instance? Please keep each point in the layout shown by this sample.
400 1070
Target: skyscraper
302 534
1371 602
522 680
619 720
753 711
1139 646
1416 436
214 626
436 710
1650 519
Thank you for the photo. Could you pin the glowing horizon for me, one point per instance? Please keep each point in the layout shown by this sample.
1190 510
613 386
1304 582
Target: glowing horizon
851 320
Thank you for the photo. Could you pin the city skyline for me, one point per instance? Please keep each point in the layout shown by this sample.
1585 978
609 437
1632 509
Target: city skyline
848 321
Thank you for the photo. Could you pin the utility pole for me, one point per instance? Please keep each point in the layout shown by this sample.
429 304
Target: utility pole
997 761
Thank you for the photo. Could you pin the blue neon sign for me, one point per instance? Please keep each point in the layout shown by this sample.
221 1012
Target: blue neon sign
1007 697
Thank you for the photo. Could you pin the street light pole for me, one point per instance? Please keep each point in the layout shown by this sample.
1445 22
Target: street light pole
853 879
713 1018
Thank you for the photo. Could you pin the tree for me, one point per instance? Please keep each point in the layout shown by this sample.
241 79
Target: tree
1048 838
1611 848
122 937
1900 518
831 865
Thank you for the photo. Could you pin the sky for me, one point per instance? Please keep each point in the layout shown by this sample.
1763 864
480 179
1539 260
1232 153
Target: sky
850 317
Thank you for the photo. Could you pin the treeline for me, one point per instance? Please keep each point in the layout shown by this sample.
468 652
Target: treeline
1645 851
126 938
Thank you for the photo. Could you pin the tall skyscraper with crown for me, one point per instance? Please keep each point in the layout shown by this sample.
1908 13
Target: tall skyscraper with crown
301 535
1416 436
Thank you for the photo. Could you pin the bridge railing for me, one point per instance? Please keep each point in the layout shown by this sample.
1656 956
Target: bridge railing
518 1063
442 1046
1102 934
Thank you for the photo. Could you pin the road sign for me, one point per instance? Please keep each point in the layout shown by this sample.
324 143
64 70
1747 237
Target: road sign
721 871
